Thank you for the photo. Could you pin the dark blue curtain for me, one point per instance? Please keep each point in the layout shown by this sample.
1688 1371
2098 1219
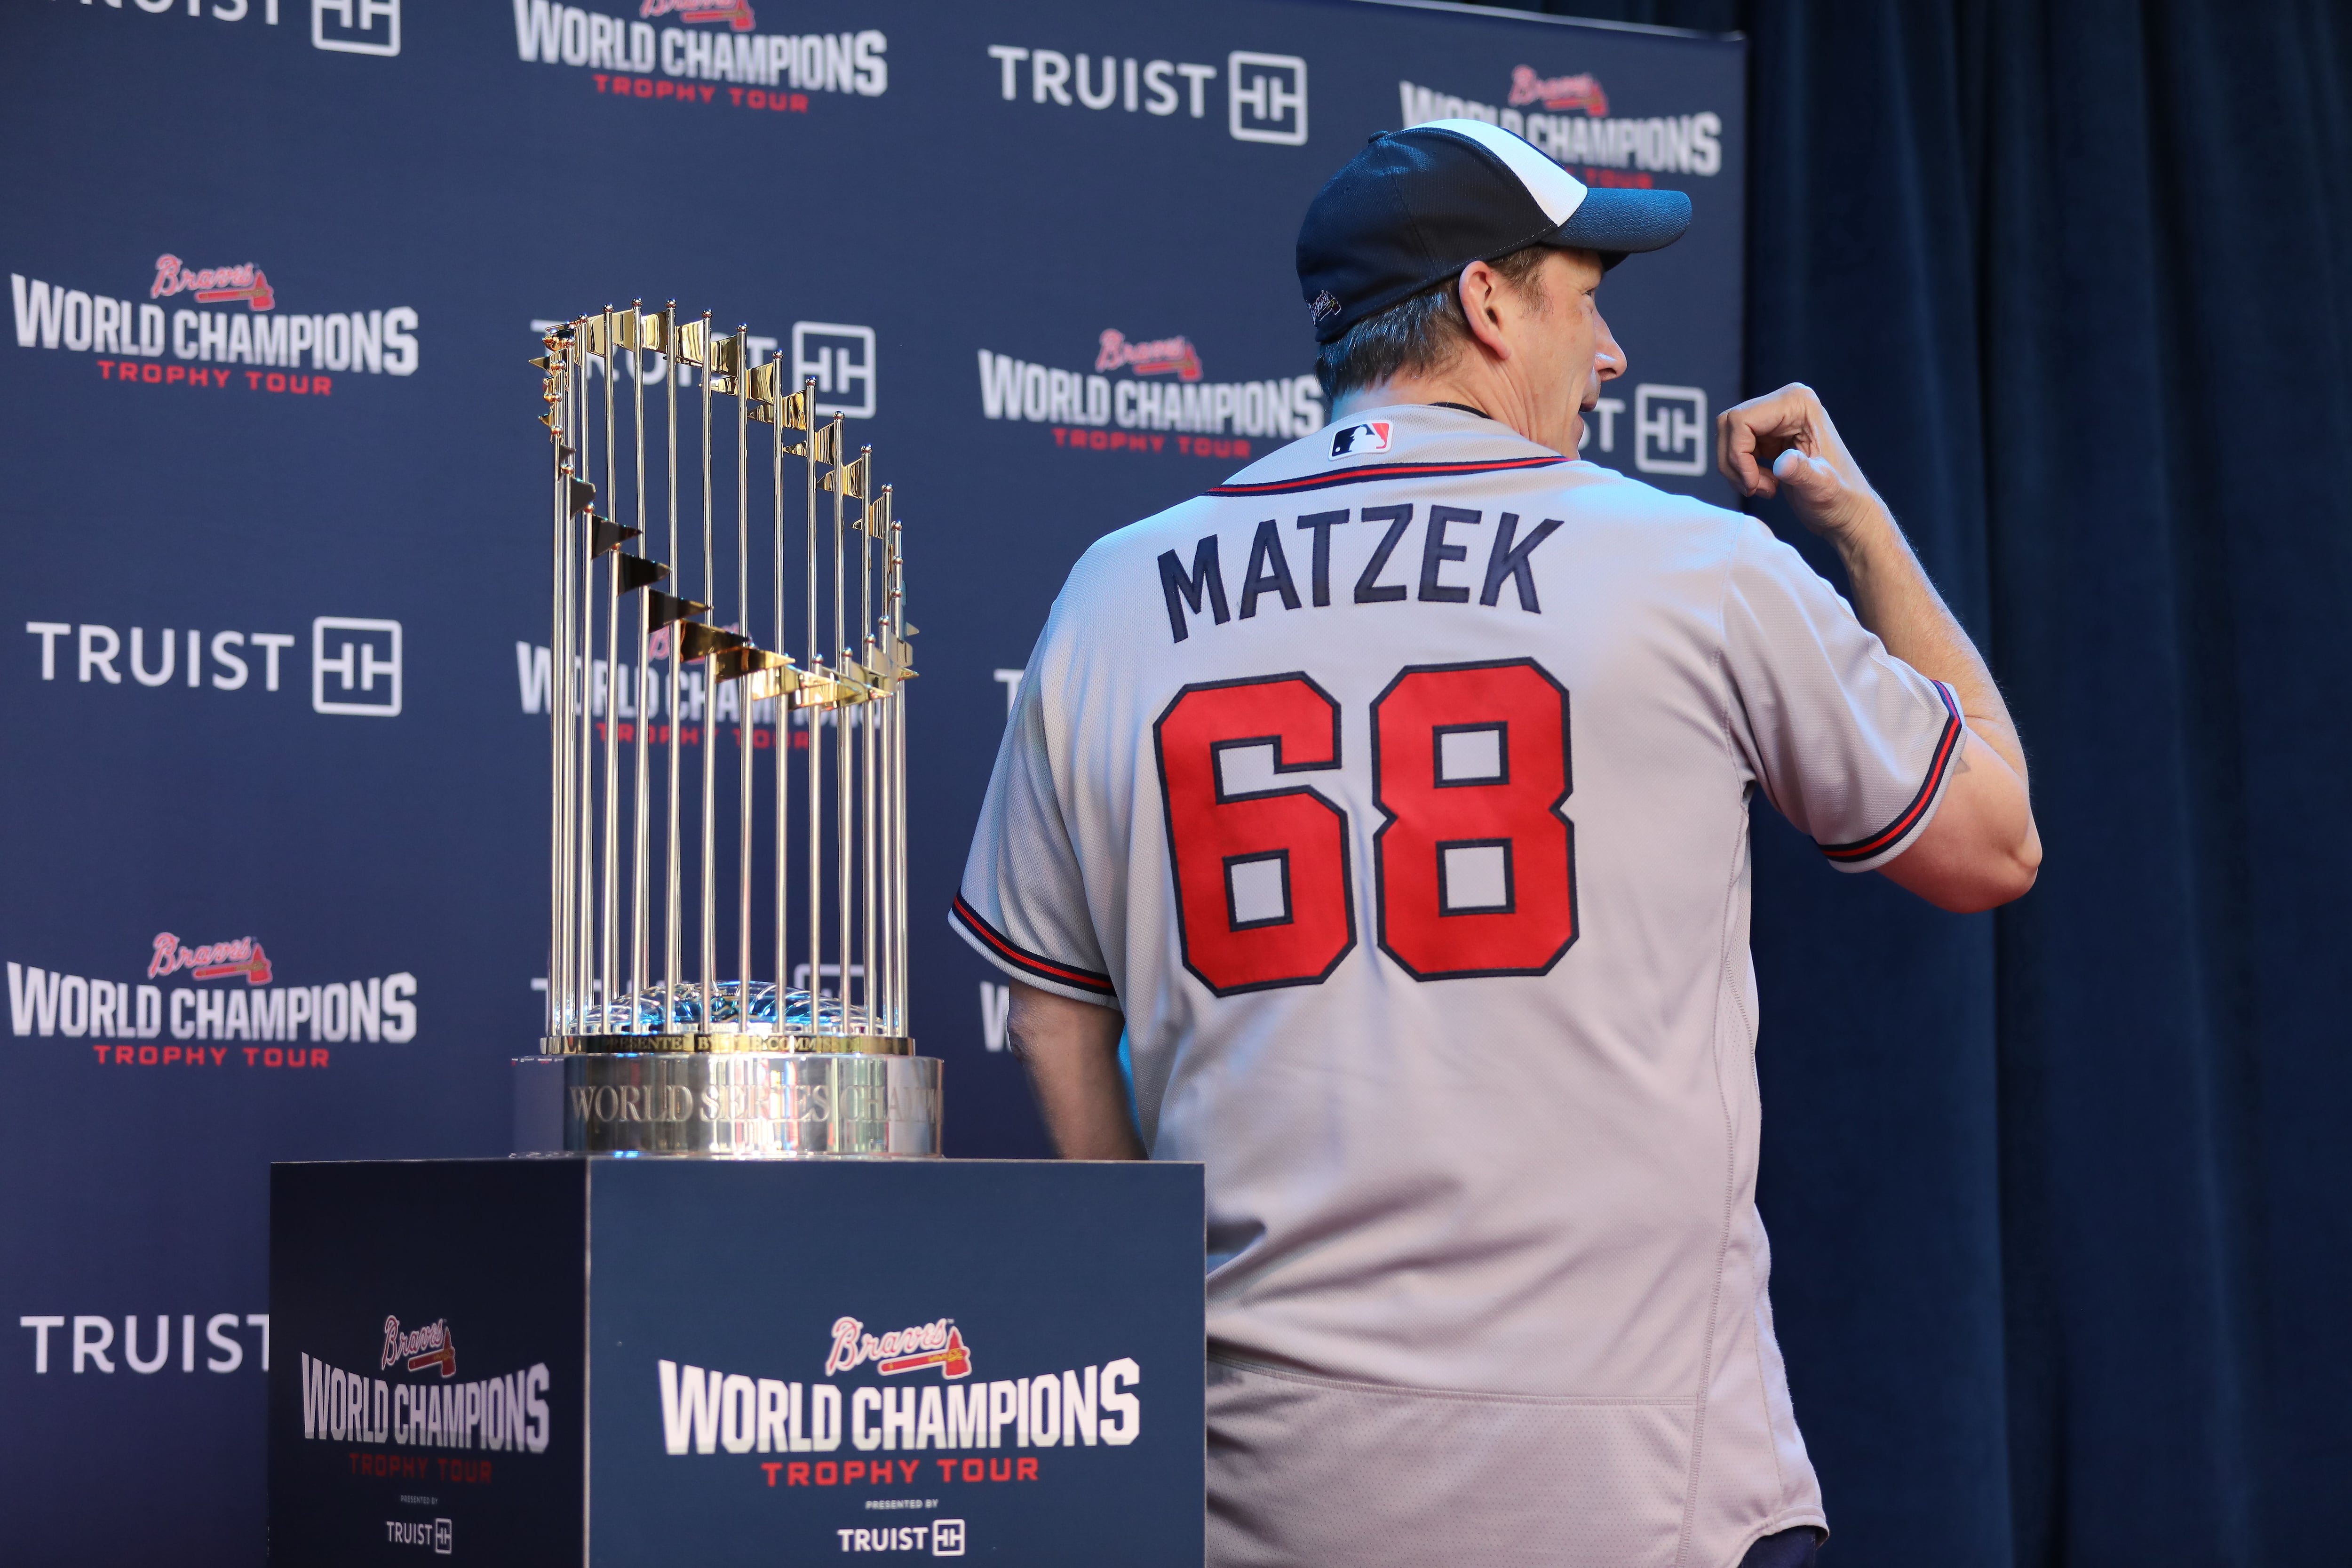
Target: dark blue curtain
2058 1195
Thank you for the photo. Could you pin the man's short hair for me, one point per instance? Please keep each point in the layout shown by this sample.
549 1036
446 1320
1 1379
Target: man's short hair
1417 334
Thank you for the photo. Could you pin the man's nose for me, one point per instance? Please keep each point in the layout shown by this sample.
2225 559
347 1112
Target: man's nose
1608 359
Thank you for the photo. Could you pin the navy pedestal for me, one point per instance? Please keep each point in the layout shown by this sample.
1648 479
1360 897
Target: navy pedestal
657 1361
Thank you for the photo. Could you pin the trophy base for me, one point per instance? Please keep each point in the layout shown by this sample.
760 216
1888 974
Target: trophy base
760 1105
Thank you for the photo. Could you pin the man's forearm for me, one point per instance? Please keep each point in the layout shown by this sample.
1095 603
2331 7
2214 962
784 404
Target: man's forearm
1071 1049
1895 598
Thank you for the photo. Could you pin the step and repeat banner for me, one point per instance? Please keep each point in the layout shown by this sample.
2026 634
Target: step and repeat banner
274 683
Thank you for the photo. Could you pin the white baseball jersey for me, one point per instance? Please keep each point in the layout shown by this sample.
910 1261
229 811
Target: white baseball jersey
1397 792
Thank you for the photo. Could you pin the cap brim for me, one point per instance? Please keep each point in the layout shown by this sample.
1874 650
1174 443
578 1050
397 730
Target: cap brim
1617 223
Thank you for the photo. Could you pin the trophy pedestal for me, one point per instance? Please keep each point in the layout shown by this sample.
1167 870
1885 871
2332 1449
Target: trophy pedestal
627 1361
728 1104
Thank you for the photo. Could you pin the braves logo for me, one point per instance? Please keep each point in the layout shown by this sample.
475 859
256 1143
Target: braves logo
1354 440
1161 356
212 285
213 960
1559 93
422 1349
736 14
937 1344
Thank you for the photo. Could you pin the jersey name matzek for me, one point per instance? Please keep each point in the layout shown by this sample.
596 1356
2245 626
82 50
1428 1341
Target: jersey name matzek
1201 587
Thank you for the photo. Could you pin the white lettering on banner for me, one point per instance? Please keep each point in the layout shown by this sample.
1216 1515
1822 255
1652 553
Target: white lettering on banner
1673 144
1015 389
649 694
217 11
504 1414
378 342
358 27
1670 430
363 651
1607 409
100 646
44 1003
995 1013
840 359
853 62
1266 95
839 366
93 1342
706 1411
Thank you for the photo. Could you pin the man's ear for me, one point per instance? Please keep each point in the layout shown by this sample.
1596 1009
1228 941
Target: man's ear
1478 289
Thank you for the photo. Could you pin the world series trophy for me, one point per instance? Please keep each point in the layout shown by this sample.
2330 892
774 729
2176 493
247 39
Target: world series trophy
663 1035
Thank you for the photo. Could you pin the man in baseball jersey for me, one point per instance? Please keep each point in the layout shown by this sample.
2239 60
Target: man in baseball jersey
1392 798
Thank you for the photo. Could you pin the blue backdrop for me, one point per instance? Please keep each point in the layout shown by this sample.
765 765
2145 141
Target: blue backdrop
274 773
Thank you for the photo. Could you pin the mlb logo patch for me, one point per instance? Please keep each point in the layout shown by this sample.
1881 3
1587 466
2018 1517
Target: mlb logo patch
1354 440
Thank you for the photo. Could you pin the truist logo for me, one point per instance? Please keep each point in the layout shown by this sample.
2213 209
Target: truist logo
736 14
213 960
421 1349
937 1344
1559 92
212 285
1161 356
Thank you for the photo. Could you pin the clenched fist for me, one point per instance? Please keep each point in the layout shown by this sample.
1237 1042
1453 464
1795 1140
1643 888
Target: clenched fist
1784 440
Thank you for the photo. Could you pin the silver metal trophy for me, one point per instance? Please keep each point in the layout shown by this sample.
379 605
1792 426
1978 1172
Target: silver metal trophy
727 953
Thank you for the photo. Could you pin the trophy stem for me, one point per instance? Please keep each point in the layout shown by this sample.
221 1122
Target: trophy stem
708 885
608 901
744 730
670 891
582 637
815 717
640 776
842 823
783 712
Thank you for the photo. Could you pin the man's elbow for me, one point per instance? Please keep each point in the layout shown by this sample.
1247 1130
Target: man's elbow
1964 879
2004 883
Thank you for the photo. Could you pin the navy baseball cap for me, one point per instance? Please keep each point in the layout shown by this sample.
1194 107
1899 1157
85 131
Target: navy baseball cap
1416 206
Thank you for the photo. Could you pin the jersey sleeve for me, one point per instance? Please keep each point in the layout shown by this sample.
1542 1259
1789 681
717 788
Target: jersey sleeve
1851 744
1023 905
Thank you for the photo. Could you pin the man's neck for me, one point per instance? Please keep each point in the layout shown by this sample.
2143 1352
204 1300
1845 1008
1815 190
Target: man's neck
1486 395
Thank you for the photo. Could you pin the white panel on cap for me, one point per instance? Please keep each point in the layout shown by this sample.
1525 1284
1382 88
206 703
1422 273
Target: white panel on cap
1556 191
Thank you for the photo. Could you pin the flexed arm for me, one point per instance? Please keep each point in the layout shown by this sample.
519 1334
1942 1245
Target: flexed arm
1982 848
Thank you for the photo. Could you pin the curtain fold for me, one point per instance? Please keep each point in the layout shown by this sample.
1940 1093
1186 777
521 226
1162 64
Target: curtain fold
2058 1195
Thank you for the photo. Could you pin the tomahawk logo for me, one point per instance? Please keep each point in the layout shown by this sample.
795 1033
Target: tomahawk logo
1161 356
736 14
937 1344
212 285
212 961
1582 91
1354 440
422 1349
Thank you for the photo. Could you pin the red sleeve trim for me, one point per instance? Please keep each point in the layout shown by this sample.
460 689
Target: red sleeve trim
1948 746
1020 958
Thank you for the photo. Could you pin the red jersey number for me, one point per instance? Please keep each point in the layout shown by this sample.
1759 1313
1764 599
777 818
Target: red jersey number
1475 866
1262 891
